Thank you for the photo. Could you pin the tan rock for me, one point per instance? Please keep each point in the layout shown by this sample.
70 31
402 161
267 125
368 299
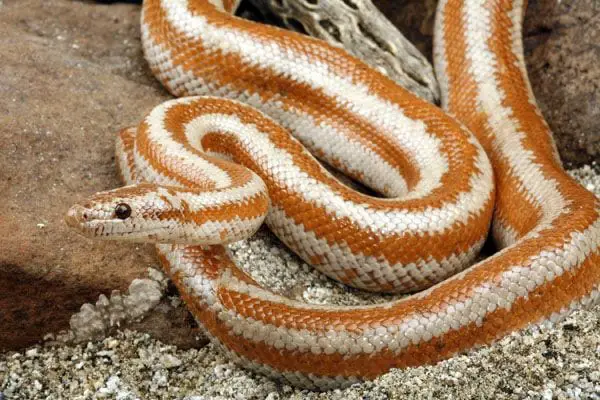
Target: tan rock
72 74
562 40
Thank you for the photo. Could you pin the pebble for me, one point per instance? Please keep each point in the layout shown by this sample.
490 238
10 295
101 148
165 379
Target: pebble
31 352
170 361
554 361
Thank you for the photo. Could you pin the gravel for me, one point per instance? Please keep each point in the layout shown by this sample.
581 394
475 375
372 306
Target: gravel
560 361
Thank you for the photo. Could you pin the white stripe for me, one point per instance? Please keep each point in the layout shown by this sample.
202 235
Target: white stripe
176 154
439 53
353 154
516 17
123 163
233 195
504 235
147 173
203 288
317 137
516 283
296 180
370 273
254 51
507 134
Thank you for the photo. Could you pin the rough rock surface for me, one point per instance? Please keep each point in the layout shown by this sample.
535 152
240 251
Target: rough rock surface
562 45
359 27
72 75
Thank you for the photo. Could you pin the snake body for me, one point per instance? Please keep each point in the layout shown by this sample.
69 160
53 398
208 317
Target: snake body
204 171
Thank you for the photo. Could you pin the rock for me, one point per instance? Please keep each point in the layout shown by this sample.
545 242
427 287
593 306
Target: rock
170 361
72 75
88 323
93 322
144 294
562 40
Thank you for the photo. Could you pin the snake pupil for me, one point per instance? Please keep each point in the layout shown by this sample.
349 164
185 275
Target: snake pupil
122 211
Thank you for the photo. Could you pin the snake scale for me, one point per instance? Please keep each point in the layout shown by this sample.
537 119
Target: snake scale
208 168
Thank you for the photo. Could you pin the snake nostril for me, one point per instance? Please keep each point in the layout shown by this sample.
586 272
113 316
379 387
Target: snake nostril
85 216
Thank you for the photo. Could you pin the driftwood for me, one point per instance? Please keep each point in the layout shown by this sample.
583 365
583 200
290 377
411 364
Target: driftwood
359 27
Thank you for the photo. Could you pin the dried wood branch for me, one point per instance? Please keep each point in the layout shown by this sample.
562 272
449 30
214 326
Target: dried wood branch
359 27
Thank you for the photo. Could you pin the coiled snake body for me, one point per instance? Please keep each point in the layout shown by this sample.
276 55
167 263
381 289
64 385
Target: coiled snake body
438 191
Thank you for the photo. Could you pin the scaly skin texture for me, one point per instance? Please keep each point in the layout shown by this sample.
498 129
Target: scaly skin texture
434 174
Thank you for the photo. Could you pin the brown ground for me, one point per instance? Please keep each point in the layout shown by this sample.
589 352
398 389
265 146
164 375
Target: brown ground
72 74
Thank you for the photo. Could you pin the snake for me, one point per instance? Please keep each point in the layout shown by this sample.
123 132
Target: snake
263 119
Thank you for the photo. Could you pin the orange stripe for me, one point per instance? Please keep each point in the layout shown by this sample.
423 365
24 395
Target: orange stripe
228 5
251 208
368 244
145 147
179 115
209 261
452 185
397 248
159 162
461 102
540 303
488 270
293 95
500 322
524 310
126 139
191 56
517 97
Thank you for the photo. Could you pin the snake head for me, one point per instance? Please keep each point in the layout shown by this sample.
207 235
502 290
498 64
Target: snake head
135 213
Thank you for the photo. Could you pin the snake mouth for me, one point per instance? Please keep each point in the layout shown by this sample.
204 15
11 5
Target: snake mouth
87 223
76 216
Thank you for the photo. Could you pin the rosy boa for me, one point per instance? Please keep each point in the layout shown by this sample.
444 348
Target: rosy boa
436 179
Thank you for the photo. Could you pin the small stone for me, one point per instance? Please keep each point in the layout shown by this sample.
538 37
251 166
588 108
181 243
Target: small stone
144 294
160 379
170 361
49 337
157 276
102 302
31 352
87 323
222 371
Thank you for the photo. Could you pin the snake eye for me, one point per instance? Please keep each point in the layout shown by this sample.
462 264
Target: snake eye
122 211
